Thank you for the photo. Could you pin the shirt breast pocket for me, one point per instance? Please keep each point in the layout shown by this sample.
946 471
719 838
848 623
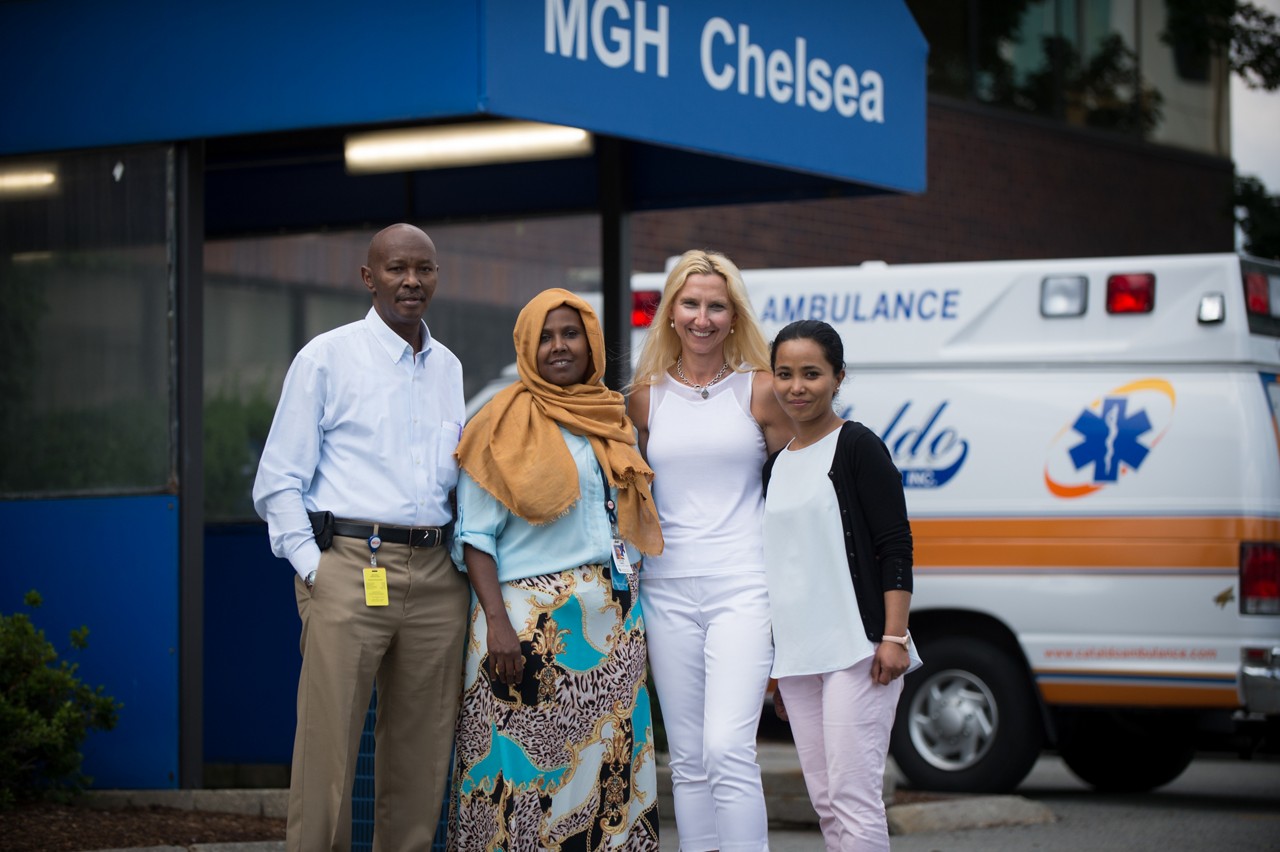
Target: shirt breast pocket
450 434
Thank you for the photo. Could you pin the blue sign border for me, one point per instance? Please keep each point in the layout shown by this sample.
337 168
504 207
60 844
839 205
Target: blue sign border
675 77
142 71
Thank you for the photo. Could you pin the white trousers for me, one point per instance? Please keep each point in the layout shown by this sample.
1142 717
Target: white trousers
710 651
841 722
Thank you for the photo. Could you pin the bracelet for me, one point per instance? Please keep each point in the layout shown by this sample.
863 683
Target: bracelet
904 641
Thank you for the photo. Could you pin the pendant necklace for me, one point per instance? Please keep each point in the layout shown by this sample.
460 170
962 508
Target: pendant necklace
701 389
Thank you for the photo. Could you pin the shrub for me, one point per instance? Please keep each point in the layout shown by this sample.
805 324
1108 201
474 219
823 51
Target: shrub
45 713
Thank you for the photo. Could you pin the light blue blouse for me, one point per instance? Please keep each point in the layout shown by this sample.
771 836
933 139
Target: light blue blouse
580 537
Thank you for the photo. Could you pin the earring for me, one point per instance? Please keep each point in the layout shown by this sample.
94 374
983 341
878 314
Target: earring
673 323
732 329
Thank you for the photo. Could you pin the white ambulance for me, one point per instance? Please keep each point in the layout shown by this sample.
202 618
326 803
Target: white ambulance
1091 455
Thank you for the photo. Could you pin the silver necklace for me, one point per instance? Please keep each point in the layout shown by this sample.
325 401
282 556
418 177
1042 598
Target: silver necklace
701 389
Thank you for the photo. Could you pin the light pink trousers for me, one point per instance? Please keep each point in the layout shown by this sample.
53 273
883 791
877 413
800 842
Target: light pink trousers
841 722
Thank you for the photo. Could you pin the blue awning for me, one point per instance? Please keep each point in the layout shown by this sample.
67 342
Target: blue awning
833 89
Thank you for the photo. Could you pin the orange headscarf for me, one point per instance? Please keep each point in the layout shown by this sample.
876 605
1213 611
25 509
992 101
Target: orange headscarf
514 450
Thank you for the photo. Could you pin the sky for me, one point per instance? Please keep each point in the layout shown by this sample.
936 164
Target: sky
1255 127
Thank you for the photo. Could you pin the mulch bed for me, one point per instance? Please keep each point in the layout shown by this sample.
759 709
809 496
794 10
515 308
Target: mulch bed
44 827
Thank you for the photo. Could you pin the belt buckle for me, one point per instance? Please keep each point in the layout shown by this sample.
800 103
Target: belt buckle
429 537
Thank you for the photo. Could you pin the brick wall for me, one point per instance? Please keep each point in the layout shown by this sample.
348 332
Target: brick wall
999 186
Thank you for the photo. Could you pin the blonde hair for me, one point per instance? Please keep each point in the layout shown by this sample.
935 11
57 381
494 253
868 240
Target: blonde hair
745 349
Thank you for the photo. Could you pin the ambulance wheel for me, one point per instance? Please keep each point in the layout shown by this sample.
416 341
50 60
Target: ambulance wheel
1117 752
967 720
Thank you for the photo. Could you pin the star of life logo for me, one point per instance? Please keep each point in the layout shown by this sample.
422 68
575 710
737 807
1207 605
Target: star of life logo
1109 439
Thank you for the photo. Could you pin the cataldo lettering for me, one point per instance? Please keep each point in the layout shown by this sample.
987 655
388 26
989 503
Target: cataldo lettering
637 35
928 452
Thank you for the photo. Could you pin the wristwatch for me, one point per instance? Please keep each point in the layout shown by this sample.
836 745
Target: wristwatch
904 641
311 579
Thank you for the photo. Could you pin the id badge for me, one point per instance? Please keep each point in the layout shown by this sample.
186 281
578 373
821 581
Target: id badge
620 560
375 587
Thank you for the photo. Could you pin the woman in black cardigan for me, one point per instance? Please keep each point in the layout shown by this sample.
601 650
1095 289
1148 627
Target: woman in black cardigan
838 565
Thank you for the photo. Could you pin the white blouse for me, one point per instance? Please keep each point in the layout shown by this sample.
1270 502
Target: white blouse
816 625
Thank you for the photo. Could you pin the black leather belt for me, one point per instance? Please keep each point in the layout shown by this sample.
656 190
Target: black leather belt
413 536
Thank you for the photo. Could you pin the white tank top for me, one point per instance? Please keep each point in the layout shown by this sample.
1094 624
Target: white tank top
706 456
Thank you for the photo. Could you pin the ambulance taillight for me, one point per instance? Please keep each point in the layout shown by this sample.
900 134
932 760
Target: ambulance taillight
1133 293
1262 293
643 307
1259 578
1257 293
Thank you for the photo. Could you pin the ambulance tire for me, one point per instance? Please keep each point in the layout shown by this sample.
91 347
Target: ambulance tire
1114 752
968 721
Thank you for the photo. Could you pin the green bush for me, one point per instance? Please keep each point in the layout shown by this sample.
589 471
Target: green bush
45 713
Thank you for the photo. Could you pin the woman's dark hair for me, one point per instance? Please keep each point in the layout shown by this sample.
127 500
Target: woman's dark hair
817 331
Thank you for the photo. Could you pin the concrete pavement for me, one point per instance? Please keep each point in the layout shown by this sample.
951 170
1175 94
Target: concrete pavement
786 799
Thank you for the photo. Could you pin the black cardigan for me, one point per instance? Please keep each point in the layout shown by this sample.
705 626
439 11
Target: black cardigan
873 511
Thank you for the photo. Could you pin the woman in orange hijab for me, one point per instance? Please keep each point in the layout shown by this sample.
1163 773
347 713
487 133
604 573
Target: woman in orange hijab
554 744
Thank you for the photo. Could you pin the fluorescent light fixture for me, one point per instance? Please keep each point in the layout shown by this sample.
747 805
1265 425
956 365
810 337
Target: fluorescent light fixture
451 146
28 180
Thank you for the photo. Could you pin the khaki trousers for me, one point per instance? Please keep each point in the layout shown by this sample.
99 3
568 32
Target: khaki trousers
413 648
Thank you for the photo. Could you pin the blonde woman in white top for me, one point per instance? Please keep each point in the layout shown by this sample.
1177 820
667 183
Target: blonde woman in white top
707 418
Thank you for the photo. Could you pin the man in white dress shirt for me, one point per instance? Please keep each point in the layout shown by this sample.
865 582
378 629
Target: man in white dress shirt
354 485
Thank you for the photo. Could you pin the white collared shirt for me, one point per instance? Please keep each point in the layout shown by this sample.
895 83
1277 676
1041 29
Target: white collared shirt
365 429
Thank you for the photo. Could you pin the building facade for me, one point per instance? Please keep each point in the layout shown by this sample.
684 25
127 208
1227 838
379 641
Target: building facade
1050 128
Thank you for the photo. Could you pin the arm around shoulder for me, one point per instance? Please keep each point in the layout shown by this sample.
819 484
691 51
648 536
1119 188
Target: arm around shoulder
765 408
638 411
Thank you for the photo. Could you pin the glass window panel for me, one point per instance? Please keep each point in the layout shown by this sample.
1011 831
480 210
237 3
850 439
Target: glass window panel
265 297
247 344
85 355
1094 63
1103 85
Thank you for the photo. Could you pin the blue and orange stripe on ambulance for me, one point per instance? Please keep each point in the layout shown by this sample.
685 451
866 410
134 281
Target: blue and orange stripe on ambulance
1119 547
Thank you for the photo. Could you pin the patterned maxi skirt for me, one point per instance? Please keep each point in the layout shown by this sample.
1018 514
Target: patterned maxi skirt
564 760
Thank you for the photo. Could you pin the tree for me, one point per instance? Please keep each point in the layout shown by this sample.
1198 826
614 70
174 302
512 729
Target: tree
1246 34
1258 215
1249 37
